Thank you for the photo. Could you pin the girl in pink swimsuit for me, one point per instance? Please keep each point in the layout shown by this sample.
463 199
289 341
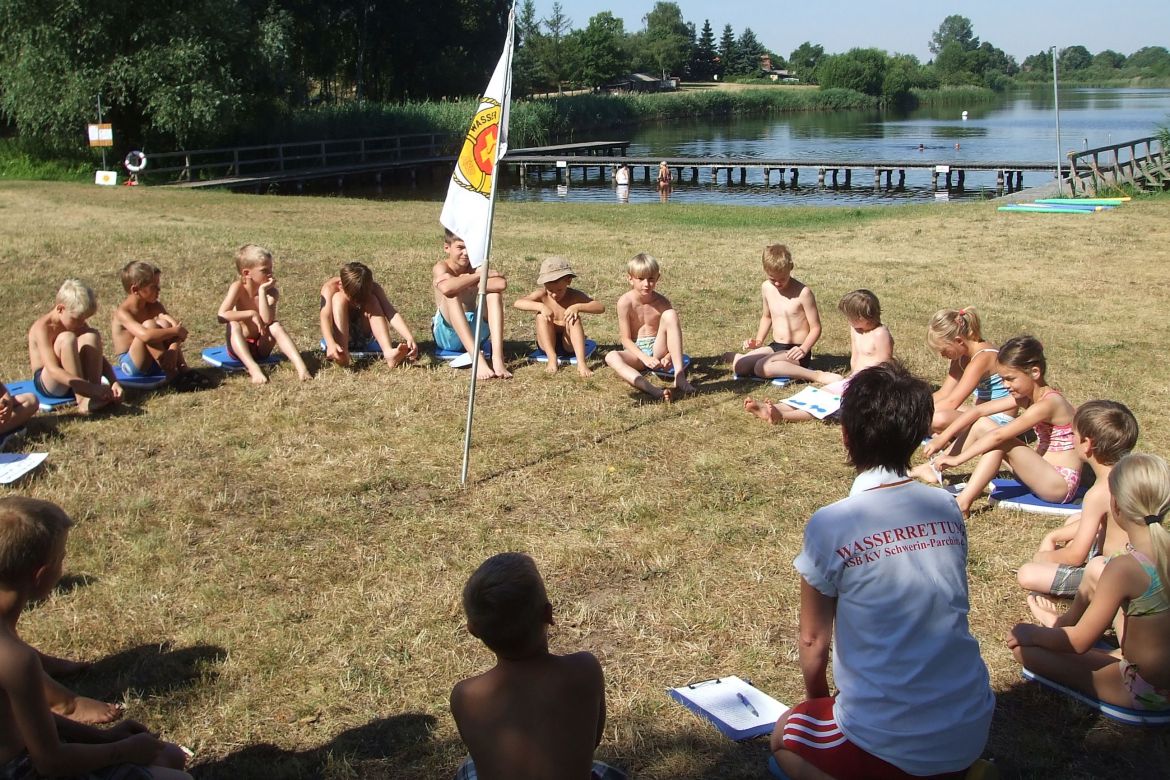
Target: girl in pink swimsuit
1052 471
1131 582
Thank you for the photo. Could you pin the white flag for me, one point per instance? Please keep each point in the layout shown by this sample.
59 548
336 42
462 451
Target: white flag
467 211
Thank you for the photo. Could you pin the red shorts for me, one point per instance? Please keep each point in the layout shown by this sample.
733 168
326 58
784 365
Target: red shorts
813 734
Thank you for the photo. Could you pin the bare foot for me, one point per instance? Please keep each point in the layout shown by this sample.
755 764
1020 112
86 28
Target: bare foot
92 712
502 371
766 411
551 368
827 377
84 404
927 473
667 395
397 355
583 369
62 667
1045 608
685 387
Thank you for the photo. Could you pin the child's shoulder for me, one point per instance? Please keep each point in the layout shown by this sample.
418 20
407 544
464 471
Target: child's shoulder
16 657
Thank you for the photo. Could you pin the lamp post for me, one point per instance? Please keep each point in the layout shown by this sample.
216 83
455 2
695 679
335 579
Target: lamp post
1056 103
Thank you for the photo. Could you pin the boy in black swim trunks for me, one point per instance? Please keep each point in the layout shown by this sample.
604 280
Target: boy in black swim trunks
356 316
249 313
66 353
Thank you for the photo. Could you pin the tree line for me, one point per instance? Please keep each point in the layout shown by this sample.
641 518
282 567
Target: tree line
185 73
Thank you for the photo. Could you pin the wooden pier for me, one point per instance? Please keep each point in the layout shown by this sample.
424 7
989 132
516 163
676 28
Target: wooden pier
1140 163
835 173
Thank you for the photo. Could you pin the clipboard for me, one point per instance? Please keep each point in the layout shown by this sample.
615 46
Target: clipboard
734 706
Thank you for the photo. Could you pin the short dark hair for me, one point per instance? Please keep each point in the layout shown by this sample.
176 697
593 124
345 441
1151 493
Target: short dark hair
1110 425
505 601
29 528
861 305
886 413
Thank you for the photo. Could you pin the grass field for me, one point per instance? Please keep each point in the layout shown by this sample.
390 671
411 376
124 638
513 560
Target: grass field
270 575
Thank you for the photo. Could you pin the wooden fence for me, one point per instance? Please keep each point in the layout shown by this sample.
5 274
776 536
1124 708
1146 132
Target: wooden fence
1139 163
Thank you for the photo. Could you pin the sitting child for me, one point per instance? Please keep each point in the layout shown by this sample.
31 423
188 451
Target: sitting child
66 353
355 312
456 284
534 715
249 313
558 309
651 333
146 338
1052 471
870 343
958 337
15 410
791 316
1133 582
35 742
1104 431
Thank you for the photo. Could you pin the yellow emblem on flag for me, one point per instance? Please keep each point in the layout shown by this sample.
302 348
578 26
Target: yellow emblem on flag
477 159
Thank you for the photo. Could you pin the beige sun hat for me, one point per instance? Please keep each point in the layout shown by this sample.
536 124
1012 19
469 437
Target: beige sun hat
554 268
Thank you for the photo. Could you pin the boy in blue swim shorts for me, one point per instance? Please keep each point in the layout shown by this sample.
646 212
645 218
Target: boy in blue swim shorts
456 284
147 339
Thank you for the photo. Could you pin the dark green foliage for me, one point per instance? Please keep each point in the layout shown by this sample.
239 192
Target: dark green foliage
704 59
863 70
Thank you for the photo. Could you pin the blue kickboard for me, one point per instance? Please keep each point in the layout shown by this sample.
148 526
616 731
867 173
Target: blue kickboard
141 382
47 402
1127 715
780 381
564 359
669 373
485 349
372 349
218 356
1011 494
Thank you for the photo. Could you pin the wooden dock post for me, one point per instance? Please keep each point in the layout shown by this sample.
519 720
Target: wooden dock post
934 179
695 175
821 176
767 176
961 178
795 176
901 178
877 178
848 178
835 171
743 175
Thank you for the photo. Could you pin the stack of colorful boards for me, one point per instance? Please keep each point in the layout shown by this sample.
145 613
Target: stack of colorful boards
1067 205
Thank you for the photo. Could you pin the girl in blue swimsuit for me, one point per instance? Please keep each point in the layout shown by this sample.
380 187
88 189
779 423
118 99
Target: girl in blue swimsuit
1132 582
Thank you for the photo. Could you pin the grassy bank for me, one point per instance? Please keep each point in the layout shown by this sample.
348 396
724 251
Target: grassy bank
271 575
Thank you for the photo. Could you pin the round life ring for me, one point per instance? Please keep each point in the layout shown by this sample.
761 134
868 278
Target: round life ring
135 161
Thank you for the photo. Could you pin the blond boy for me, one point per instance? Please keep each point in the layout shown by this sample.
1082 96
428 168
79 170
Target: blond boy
651 333
535 715
66 353
456 284
248 312
146 338
791 316
355 312
870 343
1104 431
34 741
558 308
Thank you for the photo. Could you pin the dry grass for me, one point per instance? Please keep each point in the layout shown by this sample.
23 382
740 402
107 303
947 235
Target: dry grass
271 575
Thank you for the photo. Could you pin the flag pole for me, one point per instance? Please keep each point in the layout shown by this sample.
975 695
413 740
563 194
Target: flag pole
481 297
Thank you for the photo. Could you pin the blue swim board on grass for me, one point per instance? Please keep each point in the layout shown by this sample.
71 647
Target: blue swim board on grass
140 382
1129 715
563 358
780 381
47 402
218 356
460 359
372 349
1010 494
669 373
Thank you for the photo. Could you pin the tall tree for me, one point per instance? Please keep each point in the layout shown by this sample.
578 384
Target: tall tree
553 55
602 53
1074 58
705 60
1108 60
957 29
526 70
748 50
861 69
804 59
667 40
726 51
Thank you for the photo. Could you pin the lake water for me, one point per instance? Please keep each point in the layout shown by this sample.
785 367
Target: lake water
1017 127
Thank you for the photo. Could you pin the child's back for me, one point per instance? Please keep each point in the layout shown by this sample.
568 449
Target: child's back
534 718
535 715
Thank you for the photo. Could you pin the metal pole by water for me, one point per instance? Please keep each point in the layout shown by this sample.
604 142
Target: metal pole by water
1056 103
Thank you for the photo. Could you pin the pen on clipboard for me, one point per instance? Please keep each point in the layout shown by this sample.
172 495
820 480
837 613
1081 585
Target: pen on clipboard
748 704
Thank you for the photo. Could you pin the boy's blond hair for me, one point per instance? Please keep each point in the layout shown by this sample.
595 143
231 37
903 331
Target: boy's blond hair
948 324
643 266
29 529
138 273
77 298
861 305
251 256
777 259
505 601
1110 425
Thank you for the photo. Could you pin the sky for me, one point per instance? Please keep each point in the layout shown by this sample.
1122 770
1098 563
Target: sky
905 26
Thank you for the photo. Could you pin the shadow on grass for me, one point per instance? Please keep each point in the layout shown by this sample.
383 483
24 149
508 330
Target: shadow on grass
393 747
148 670
71 582
1040 733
